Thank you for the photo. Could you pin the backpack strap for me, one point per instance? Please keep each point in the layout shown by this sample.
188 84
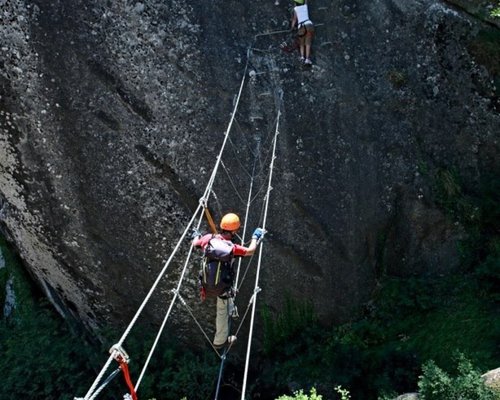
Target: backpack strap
204 270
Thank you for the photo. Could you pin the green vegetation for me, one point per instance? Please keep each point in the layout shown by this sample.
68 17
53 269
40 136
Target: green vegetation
409 322
381 354
344 393
478 211
411 326
464 383
279 329
300 395
174 374
42 358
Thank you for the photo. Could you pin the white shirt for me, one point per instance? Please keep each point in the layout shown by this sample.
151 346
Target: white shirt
302 13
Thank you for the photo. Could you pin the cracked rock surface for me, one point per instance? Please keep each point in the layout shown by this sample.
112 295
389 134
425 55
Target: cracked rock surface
112 114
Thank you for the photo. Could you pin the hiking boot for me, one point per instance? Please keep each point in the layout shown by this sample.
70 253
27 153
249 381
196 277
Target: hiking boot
219 346
229 341
308 61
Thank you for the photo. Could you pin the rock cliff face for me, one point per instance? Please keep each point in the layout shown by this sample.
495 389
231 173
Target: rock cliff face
112 114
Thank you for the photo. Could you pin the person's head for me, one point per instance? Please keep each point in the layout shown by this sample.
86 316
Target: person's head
230 223
299 2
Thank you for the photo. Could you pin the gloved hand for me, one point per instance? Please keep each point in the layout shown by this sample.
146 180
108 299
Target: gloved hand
258 234
195 233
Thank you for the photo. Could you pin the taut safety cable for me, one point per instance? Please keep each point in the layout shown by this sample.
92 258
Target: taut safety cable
253 299
226 135
228 175
202 204
257 289
235 284
105 382
141 307
160 331
247 210
190 311
198 213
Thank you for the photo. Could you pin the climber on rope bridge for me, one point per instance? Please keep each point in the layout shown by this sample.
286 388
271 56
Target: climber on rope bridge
216 276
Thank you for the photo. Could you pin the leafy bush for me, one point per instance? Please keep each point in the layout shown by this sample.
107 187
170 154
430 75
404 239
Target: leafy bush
344 393
174 371
380 353
296 316
465 384
300 395
43 359
188 375
408 320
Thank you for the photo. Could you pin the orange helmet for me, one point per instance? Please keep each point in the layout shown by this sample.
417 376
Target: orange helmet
230 222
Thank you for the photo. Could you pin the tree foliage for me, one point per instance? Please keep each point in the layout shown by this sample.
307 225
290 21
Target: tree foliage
465 383
300 395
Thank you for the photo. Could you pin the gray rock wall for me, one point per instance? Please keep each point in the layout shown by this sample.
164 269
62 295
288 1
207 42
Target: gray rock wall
112 114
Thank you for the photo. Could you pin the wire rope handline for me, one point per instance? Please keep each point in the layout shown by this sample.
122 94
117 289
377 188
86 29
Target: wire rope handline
226 134
235 284
269 33
222 362
202 205
256 288
236 191
105 382
190 311
143 304
247 210
162 327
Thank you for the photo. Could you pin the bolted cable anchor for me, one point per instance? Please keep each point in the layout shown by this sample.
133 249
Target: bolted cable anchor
119 353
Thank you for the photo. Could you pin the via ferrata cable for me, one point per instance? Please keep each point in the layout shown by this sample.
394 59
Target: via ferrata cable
259 263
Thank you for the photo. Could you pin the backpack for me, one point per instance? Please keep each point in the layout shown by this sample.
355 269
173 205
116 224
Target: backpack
216 274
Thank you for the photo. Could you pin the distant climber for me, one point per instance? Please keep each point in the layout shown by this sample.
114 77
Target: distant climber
217 273
305 30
